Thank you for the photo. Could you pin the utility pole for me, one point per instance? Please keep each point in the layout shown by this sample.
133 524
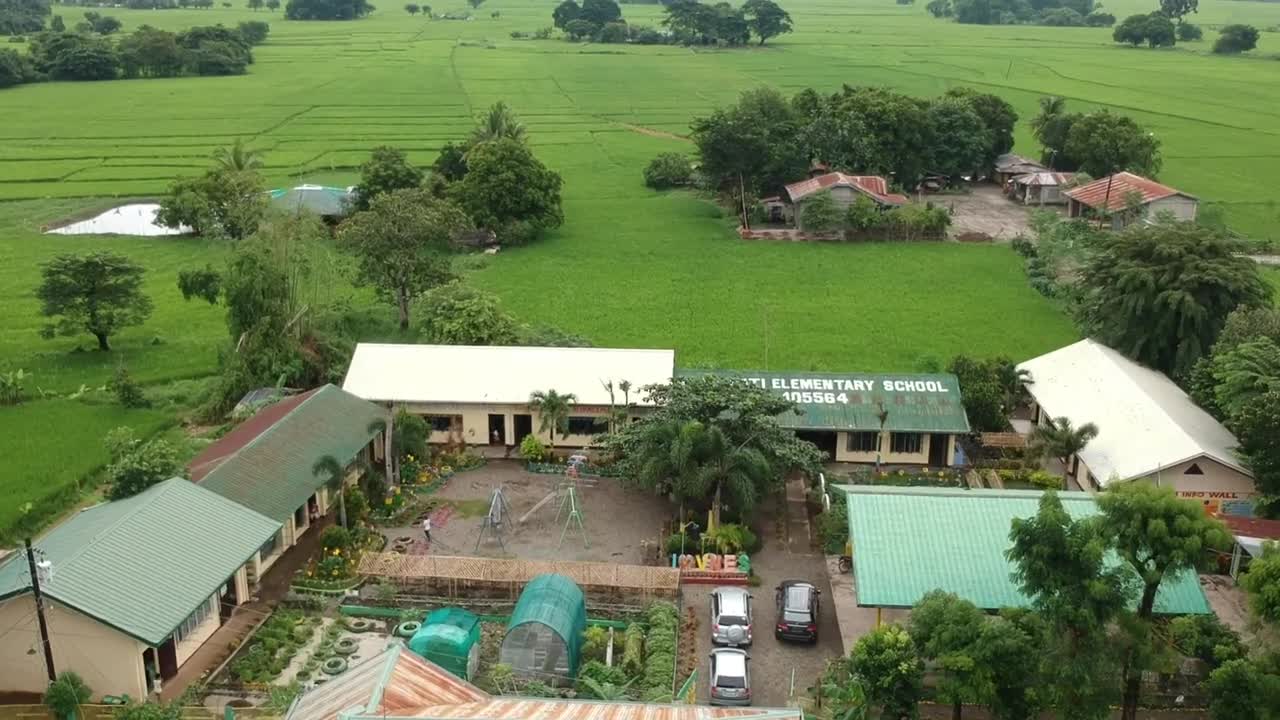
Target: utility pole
40 619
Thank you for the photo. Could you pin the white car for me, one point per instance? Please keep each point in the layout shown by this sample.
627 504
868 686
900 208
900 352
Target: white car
730 677
731 616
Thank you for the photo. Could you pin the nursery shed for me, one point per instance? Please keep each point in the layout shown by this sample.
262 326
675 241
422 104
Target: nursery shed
450 638
545 632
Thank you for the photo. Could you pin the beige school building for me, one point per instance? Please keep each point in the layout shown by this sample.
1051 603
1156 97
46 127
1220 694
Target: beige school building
1148 428
480 395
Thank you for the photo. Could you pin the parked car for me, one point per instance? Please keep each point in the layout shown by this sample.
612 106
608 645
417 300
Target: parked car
730 616
730 677
797 605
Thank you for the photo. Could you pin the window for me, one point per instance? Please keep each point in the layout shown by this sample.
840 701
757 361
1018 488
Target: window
195 619
268 547
1194 470
584 425
863 442
442 423
905 442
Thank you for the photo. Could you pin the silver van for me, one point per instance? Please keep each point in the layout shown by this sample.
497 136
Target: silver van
730 616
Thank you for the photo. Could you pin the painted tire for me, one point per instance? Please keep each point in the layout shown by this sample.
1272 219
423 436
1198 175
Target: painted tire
360 625
407 629
346 646
334 666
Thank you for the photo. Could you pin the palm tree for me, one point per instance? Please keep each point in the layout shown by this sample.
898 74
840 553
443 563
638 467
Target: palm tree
237 158
386 427
1061 441
553 411
669 460
499 123
738 471
329 465
1051 106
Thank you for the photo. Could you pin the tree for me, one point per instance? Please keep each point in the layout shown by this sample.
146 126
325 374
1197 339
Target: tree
736 475
96 22
1177 9
1188 32
1062 441
254 5
1234 39
500 122
457 314
1161 293
402 243
326 9
15 68
1158 535
668 170
1262 583
600 12
766 19
750 148
412 8
19 17
1244 372
387 169
273 5
99 293
939 8
1256 424
254 32
221 202
819 213
885 663
1243 690
997 115
969 143
1060 563
946 631
1160 31
330 468
1051 127
553 411
237 157
77 57
150 52
1011 644
451 164
66 694
565 13
138 464
1103 143
510 191
1132 30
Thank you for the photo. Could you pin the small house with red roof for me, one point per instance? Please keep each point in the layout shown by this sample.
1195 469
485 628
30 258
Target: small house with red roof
844 189
1128 199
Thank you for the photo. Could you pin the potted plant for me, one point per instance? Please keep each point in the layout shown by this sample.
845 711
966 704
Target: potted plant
66 694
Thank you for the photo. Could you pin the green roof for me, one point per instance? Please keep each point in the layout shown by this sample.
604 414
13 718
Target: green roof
145 563
910 540
853 401
557 602
446 639
317 199
272 472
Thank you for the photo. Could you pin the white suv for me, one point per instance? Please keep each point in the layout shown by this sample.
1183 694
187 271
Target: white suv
730 677
730 616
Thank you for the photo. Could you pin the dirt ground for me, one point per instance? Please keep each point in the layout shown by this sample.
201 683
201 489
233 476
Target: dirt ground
986 210
617 521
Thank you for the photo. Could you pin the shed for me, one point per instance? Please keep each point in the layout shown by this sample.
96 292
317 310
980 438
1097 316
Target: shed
1010 165
1040 188
1128 198
450 638
544 635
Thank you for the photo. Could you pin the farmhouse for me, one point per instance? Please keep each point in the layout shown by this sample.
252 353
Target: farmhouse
910 540
132 589
1040 188
1009 166
844 190
869 418
1128 199
1147 426
480 395
266 463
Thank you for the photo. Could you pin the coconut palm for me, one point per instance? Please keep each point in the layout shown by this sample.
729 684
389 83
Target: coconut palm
237 158
65 695
553 411
669 460
1051 106
499 123
739 472
1061 441
329 466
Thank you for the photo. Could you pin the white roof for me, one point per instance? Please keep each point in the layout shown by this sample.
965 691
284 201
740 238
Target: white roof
1145 422
500 374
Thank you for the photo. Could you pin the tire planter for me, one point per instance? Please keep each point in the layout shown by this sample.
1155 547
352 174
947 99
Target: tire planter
334 666
359 625
407 629
346 646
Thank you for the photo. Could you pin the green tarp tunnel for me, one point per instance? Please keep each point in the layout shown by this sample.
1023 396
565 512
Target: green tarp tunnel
450 638
545 632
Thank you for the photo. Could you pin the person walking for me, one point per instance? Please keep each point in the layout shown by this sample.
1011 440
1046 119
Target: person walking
426 527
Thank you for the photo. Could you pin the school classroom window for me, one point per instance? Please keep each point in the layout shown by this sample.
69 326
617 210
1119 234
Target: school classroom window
907 443
583 425
863 442
443 423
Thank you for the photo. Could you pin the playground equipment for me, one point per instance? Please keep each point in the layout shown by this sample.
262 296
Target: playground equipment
572 513
495 521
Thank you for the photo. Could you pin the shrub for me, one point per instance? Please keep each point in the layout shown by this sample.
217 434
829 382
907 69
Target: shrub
128 393
335 538
602 674
1061 17
542 33
633 649
1206 638
1044 480
1234 39
595 642
254 31
532 449
833 526
668 170
1188 32
1100 19
65 695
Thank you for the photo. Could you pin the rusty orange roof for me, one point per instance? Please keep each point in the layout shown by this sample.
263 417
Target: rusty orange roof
1121 184
1252 527
399 684
874 186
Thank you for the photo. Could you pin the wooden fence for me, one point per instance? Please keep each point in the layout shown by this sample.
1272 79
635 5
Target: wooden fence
475 576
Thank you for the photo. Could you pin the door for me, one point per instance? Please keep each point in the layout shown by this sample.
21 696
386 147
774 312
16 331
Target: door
497 429
523 427
938 450
149 668
168 659
227 601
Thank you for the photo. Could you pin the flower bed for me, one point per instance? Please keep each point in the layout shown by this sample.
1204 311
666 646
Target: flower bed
272 647
585 470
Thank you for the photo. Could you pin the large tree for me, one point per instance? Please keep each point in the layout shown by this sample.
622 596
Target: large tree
99 293
1061 441
508 190
326 9
1161 293
947 630
222 202
766 19
1061 564
749 148
1257 427
1262 583
968 143
18 17
600 12
565 13
387 169
1158 535
1178 9
402 244
458 314
997 115
1103 143
885 663
1233 39
1244 372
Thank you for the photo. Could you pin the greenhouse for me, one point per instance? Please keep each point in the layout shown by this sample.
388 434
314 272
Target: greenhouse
450 638
545 632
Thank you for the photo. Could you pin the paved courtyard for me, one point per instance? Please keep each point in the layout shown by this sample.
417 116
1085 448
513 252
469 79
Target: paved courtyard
985 210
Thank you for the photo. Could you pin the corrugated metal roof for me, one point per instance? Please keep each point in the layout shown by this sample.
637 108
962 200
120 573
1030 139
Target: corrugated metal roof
835 401
908 541
1044 179
271 472
874 186
1115 190
1252 527
557 602
505 375
143 564
398 684
234 441
1145 422
1010 162
317 199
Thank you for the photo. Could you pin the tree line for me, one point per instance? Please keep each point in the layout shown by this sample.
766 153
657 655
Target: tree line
88 54
1057 13
687 22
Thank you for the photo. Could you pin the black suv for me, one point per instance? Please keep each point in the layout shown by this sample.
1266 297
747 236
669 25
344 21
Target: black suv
797 604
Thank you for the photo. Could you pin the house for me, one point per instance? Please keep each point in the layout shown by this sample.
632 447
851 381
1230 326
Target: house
905 419
479 395
1040 188
844 190
266 462
1147 427
1009 166
330 203
1129 198
399 684
133 587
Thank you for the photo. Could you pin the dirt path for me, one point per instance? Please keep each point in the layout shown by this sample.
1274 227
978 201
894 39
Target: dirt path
653 133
